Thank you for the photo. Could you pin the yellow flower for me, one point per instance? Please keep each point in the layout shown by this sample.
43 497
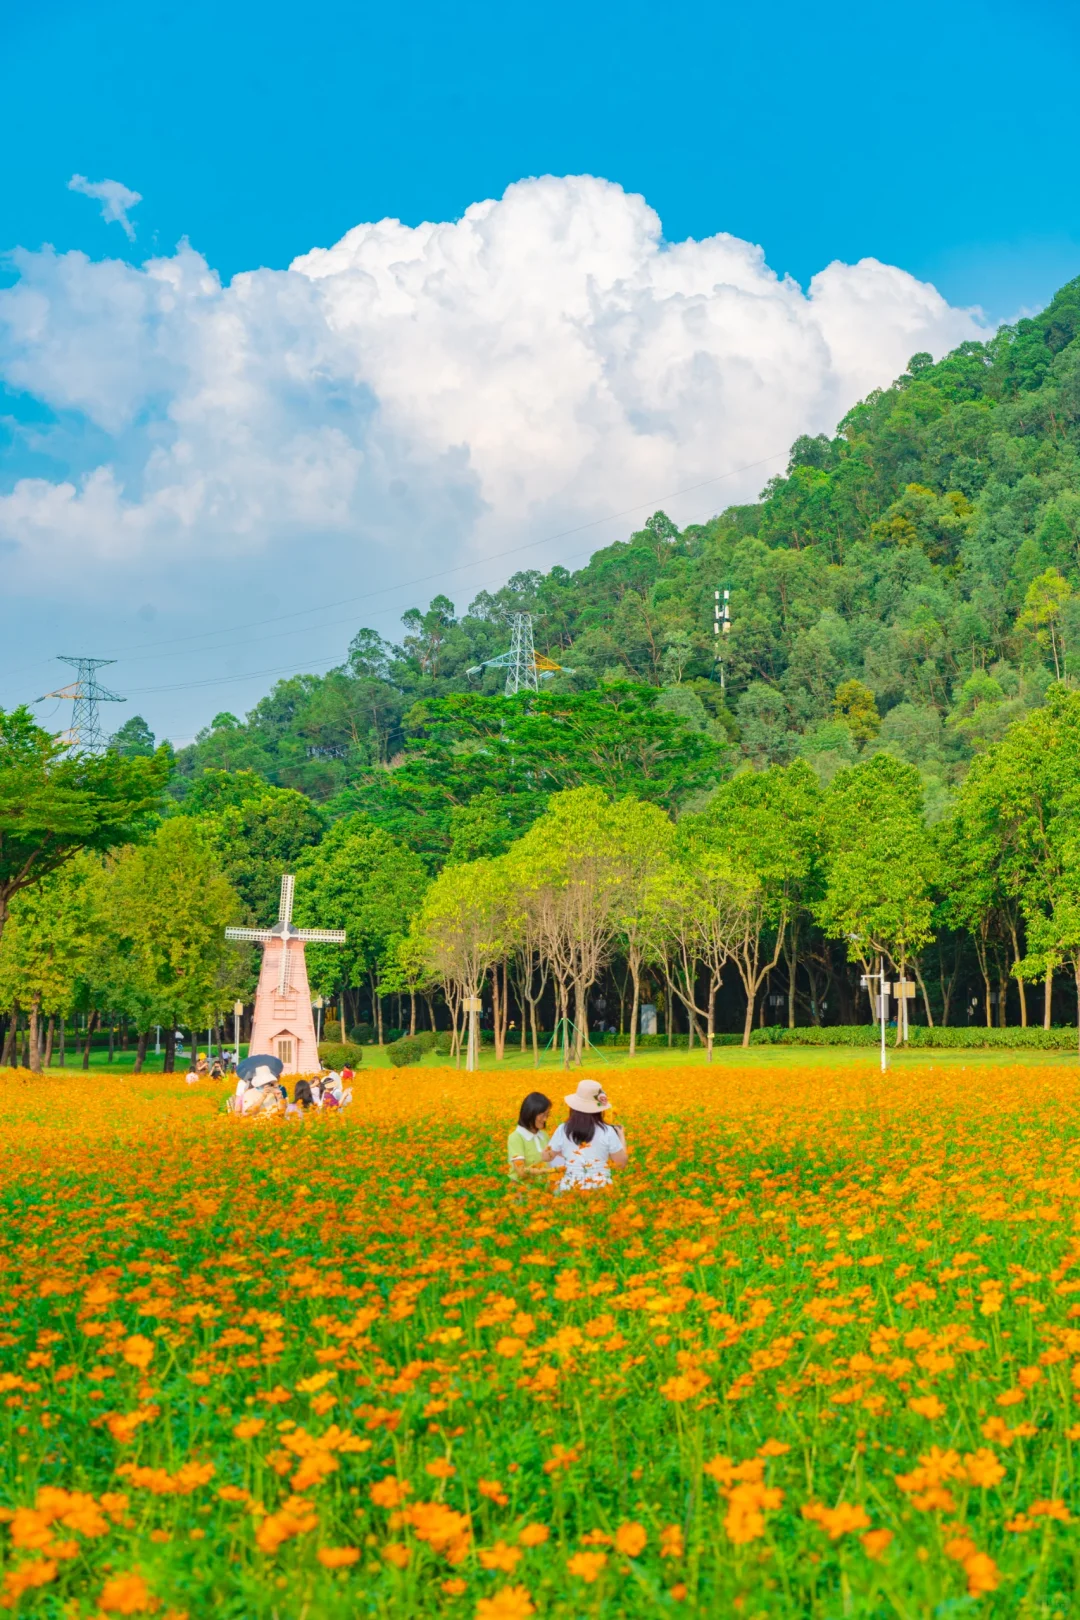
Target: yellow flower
511 1603
630 1540
500 1556
587 1566
841 1520
126 1594
337 1557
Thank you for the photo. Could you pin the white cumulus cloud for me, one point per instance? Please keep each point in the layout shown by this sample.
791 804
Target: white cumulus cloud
430 393
116 200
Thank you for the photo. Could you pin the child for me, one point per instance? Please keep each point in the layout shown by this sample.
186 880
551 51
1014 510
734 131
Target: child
526 1146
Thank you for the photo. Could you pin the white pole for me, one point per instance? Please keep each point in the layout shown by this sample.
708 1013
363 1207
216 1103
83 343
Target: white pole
472 1054
157 1041
881 1011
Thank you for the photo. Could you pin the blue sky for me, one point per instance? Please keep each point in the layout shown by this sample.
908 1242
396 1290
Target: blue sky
940 139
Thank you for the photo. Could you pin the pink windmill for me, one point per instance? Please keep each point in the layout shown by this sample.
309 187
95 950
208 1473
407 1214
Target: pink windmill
283 1026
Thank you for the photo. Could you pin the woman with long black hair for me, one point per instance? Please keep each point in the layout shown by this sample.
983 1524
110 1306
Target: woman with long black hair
586 1148
526 1146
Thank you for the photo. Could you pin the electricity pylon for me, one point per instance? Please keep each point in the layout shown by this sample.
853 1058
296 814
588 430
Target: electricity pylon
85 732
524 670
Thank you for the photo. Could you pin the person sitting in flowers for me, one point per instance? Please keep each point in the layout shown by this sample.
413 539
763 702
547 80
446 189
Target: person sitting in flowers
526 1146
586 1148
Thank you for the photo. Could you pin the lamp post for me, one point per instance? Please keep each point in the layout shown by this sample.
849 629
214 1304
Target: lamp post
237 1009
318 1005
472 1056
881 992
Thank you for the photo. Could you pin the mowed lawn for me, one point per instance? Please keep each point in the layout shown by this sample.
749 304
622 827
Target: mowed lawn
816 1353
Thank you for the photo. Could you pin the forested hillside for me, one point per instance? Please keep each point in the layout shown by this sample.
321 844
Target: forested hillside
890 767
928 551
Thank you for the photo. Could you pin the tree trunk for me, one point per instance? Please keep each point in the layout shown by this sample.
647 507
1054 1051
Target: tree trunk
635 1006
1048 992
140 1051
504 1017
748 1023
412 1012
711 1033
34 1063
169 1064
1019 981
92 1021
376 1010
8 1054
496 1011
791 955
63 1034
925 997
50 1034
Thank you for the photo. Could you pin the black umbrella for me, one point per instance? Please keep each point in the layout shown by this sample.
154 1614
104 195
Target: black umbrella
259 1060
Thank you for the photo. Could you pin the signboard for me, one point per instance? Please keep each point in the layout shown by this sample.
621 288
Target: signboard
906 990
472 1004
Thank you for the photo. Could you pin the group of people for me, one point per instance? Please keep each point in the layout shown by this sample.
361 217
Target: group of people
203 1068
264 1094
585 1148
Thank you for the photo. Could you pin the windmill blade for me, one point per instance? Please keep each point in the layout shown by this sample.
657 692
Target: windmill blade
288 885
259 935
321 936
284 969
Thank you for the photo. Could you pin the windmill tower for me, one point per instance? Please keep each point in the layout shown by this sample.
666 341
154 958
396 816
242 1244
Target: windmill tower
85 731
282 1025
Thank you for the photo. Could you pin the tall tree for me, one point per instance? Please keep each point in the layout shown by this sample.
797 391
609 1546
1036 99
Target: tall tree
168 904
879 865
362 880
54 803
766 822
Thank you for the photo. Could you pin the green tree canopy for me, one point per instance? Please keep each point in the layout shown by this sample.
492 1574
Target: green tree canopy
54 803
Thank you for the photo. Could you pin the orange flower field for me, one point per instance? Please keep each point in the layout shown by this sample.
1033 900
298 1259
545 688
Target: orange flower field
817 1352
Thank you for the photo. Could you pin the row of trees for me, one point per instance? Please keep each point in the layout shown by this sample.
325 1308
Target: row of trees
747 890
744 883
136 935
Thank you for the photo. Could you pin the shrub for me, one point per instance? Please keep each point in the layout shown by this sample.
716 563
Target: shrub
970 1038
427 1039
405 1051
332 1029
336 1054
362 1034
444 1040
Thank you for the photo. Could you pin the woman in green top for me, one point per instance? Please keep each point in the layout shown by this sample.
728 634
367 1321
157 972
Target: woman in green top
526 1146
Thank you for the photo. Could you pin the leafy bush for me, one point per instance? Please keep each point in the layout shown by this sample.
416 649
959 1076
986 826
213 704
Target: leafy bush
970 1038
332 1029
336 1054
363 1034
409 1049
443 1042
427 1039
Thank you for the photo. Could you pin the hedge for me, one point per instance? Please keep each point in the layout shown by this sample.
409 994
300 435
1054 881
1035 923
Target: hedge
405 1051
969 1038
336 1054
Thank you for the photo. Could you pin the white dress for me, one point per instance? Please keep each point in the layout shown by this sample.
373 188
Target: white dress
585 1164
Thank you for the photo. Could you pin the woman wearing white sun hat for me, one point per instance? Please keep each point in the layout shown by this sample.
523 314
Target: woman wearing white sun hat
586 1149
